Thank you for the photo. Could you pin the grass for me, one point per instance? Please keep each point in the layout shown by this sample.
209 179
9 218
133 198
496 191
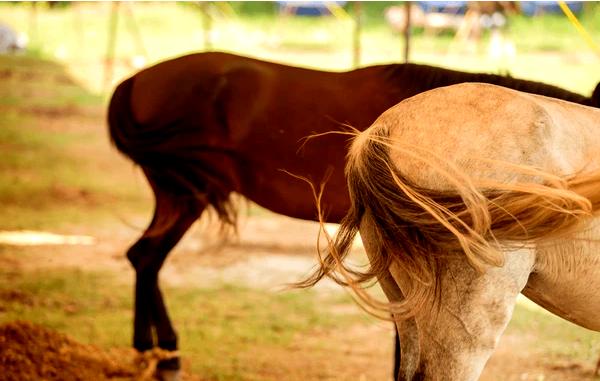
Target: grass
82 304
555 338
555 32
218 325
55 151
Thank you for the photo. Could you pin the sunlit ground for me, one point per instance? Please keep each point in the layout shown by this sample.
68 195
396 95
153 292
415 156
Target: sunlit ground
32 238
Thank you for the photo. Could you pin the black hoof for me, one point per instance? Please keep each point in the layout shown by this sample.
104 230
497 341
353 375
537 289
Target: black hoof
169 364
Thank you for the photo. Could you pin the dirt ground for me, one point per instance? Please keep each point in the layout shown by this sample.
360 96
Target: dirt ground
30 352
270 252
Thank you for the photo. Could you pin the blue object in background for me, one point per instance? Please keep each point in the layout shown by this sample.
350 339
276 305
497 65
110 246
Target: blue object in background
529 8
307 8
450 7
533 8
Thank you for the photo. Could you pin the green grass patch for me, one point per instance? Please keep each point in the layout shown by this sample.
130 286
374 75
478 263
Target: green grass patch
58 168
38 82
555 338
554 32
91 307
217 325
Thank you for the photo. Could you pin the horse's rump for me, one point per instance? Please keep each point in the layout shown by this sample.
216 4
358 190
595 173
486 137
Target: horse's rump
414 226
177 167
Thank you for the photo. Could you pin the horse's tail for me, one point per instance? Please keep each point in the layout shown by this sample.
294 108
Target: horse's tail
171 161
415 227
121 125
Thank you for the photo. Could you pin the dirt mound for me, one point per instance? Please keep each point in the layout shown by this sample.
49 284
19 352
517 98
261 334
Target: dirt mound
32 352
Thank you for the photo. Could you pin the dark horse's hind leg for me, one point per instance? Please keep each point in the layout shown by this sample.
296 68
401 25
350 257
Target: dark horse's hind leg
397 357
172 218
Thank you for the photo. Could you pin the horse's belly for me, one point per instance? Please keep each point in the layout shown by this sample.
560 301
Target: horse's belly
566 280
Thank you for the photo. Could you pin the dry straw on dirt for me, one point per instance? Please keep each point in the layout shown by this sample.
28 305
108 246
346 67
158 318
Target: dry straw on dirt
32 352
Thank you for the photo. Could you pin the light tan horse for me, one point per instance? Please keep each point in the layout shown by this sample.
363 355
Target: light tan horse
466 196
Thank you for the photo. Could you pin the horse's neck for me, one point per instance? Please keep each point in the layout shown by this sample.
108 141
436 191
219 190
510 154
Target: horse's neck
420 78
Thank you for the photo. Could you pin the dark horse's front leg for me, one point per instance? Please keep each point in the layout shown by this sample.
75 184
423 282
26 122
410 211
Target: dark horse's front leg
172 218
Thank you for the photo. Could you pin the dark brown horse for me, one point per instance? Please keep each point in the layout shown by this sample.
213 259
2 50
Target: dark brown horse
206 125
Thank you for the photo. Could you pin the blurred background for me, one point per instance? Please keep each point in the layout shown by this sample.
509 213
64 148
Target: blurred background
70 205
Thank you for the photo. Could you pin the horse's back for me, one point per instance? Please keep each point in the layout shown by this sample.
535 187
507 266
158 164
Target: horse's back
182 85
202 82
480 127
574 130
